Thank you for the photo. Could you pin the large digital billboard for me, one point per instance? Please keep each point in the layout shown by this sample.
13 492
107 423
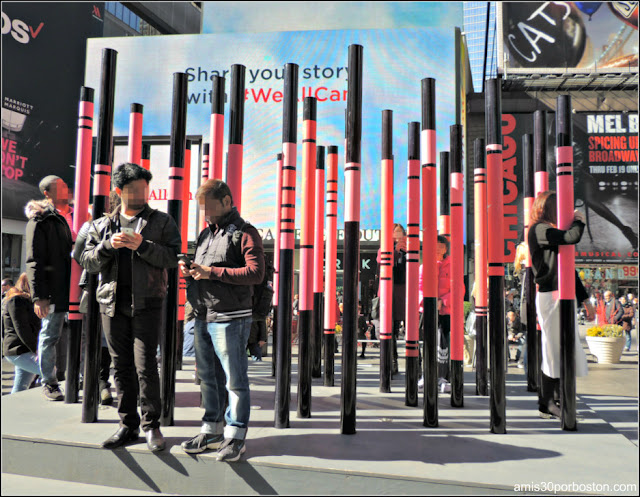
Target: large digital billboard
552 36
395 62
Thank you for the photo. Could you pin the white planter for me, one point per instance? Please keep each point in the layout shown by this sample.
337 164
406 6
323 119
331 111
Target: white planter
608 350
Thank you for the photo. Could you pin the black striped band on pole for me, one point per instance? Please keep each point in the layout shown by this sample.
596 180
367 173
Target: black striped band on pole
177 146
495 251
101 188
529 283
287 246
480 266
351 242
412 347
445 209
330 301
429 239
145 158
566 263
276 264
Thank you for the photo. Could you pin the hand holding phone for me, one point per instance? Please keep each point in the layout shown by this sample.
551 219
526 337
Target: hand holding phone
127 231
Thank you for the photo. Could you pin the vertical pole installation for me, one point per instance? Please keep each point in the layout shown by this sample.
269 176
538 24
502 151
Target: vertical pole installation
386 251
202 223
429 239
174 209
287 246
457 265
101 188
216 138
529 283
135 134
80 215
480 234
351 242
276 264
495 251
318 263
566 263
541 184
445 207
307 218
184 235
145 158
236 131
413 262
330 301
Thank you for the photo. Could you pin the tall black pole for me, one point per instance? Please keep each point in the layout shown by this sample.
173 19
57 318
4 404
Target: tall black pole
276 265
480 233
529 283
497 358
101 188
236 133
566 264
429 265
287 246
177 147
351 242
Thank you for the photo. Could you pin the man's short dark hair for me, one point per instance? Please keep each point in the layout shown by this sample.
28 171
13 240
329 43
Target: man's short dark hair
128 172
215 189
47 182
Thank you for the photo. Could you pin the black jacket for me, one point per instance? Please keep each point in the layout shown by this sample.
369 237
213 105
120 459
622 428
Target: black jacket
158 252
48 259
21 326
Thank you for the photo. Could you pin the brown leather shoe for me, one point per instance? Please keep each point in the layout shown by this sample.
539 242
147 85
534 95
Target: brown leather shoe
120 437
155 440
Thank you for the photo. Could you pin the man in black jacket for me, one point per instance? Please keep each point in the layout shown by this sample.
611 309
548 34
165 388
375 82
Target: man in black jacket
49 243
133 284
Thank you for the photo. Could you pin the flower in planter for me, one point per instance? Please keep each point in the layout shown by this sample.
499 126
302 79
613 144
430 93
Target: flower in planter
606 330
339 328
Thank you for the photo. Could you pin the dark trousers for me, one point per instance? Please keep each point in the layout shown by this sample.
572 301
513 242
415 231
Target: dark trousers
444 331
133 342
549 392
396 332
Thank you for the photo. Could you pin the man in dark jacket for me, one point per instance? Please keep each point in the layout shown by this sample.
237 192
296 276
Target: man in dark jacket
229 260
49 243
132 248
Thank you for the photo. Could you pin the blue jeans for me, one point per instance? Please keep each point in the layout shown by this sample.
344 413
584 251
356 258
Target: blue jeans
50 332
26 369
627 344
221 359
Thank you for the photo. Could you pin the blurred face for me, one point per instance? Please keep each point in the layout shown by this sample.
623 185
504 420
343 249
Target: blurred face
134 195
58 194
215 209
511 315
398 233
623 300
441 250
607 296
5 287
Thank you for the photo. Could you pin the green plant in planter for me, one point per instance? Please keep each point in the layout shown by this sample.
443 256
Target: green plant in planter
467 309
605 330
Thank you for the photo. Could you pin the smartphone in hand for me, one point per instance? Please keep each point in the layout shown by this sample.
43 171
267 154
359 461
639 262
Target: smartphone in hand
185 258
128 231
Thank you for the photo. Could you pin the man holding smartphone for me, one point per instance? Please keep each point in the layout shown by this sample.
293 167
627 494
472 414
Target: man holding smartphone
229 260
132 248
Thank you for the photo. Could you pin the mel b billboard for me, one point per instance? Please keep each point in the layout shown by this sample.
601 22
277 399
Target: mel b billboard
395 62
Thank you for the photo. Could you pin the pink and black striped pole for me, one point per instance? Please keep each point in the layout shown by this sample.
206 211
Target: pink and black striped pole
386 251
566 263
480 264
287 246
529 283
305 303
429 242
216 138
330 301
177 147
184 234
411 321
145 158
495 252
445 193
202 223
457 267
135 134
236 131
276 263
80 215
318 271
351 242
101 188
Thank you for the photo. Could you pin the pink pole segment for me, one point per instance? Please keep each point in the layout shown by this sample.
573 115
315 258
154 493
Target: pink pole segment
135 134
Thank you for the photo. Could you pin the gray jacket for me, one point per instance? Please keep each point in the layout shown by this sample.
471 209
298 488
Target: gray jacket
157 253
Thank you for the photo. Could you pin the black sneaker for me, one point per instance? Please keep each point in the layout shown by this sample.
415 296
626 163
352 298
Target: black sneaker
202 442
52 392
231 450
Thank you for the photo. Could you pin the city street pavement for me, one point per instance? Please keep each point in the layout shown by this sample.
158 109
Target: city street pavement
390 453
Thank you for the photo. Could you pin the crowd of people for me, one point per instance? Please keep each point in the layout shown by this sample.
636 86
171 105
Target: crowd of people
229 294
